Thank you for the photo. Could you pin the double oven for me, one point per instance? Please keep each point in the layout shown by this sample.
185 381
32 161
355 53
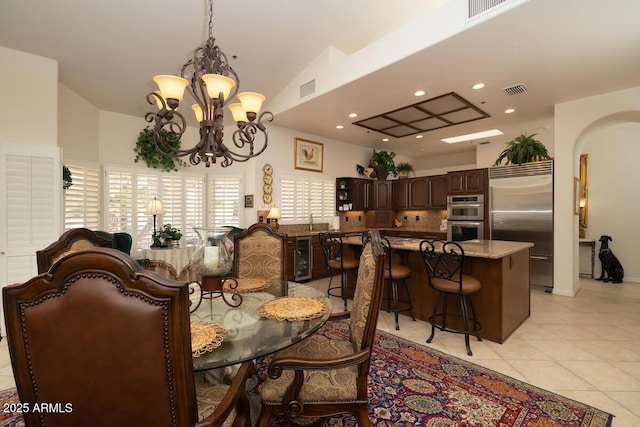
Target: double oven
465 217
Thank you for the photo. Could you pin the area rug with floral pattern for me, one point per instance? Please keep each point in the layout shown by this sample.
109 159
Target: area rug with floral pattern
412 385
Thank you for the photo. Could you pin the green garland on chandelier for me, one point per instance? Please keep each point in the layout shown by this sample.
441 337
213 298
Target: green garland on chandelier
146 150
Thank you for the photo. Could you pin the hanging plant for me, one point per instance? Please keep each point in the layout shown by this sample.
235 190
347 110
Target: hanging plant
67 181
145 150
523 149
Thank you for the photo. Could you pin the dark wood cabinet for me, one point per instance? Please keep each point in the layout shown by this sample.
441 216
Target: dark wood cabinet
363 194
412 193
290 254
438 191
319 266
383 194
469 181
418 193
400 194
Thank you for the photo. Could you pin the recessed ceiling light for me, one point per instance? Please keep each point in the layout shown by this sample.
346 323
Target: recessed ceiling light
472 136
419 93
352 115
477 86
418 136
339 127
510 110
385 139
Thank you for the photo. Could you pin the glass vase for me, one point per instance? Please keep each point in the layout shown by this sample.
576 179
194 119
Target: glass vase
211 257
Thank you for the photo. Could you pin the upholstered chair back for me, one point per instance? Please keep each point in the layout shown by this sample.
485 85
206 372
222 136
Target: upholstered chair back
106 339
74 240
259 252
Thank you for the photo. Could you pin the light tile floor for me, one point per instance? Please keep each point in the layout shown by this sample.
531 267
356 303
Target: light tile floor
586 348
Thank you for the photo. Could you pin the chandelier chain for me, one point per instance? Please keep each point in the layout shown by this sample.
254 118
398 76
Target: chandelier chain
210 19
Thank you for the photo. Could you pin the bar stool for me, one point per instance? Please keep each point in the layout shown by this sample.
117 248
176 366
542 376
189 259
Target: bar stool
333 248
393 273
444 262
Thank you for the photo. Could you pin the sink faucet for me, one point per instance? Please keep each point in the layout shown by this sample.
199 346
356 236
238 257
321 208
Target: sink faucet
310 222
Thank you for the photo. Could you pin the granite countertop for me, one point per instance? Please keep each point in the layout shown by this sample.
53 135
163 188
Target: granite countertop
360 230
493 249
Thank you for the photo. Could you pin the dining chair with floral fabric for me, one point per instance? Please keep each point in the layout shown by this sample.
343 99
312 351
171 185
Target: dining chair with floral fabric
259 253
320 376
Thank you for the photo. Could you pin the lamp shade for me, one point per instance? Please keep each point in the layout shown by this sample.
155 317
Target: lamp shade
217 83
251 101
154 207
239 115
274 213
197 110
171 86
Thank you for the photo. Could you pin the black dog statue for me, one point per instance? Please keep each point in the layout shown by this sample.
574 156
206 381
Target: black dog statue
611 267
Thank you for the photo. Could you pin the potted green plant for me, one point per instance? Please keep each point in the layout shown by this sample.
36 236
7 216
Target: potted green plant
167 236
383 164
403 169
145 149
523 149
67 180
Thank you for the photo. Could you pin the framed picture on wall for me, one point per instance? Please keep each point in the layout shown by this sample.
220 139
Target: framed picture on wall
576 196
248 201
308 155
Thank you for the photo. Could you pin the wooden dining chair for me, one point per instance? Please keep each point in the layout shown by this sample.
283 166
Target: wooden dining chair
320 376
111 343
444 262
336 261
76 239
259 253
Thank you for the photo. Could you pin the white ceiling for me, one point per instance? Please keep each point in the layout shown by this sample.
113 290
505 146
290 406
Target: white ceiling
108 52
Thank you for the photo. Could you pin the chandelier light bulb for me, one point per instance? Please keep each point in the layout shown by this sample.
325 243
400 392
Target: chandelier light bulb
197 110
239 115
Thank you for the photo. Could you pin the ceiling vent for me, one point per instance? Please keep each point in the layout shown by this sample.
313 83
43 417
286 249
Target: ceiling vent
308 88
516 89
477 7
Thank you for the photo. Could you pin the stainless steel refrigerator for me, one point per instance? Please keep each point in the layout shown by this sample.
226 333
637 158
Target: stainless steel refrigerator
521 209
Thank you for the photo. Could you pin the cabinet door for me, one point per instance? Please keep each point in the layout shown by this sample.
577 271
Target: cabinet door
401 194
474 180
383 193
319 264
291 264
438 191
456 182
418 193
363 197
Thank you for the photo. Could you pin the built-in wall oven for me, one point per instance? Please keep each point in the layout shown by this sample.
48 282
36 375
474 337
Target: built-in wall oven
465 217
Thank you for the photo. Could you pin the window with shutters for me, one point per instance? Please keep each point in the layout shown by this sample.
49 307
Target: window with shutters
82 199
224 201
184 199
303 196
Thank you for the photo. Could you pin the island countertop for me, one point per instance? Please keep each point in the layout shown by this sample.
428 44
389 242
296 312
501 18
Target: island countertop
492 249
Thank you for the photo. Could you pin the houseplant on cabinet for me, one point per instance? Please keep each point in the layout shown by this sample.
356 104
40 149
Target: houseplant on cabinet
404 169
523 149
382 162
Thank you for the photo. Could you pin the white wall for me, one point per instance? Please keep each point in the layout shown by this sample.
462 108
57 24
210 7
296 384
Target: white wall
574 122
614 207
29 87
77 126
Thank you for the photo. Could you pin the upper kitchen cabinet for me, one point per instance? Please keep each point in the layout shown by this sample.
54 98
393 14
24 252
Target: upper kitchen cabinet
363 194
438 191
469 181
412 193
383 194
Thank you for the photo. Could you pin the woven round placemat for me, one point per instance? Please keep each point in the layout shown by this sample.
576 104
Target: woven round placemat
293 308
206 337
245 285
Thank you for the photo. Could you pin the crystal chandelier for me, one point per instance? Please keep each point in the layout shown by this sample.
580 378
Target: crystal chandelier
212 83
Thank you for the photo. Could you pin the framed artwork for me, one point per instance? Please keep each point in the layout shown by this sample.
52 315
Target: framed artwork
248 201
308 155
576 196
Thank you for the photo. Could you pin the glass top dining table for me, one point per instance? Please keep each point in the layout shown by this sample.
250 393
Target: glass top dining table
250 335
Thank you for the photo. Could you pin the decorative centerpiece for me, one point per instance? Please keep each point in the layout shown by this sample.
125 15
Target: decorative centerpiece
211 260
167 237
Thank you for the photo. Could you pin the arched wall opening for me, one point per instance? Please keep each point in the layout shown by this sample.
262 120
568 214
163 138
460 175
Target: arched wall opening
575 122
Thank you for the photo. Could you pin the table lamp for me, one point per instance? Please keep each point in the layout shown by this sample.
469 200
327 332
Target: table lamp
274 216
154 208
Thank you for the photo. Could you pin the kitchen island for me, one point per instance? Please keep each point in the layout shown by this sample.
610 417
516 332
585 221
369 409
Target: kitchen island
503 302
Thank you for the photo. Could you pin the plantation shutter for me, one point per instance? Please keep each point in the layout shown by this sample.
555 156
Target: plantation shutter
224 202
82 199
301 197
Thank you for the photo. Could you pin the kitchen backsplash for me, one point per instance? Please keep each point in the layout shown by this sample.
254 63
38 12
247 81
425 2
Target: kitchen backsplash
424 220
